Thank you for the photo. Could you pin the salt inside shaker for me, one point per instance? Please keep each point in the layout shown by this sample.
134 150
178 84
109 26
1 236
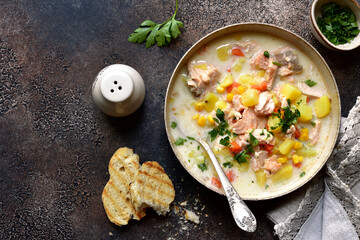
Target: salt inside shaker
118 90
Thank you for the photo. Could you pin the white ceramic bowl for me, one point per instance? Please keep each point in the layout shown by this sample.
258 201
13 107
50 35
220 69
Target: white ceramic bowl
316 12
309 51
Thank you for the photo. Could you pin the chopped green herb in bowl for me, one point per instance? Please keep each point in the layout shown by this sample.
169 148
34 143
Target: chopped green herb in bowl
338 24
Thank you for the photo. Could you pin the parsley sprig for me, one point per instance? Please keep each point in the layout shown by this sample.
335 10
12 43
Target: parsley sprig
243 156
290 116
161 33
222 127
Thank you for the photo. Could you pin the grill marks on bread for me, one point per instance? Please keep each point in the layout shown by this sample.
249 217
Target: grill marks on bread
131 189
152 188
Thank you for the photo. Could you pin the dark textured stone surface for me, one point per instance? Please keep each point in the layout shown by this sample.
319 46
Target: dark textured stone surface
55 144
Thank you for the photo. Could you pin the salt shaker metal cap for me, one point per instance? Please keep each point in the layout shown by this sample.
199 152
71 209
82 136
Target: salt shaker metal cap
118 90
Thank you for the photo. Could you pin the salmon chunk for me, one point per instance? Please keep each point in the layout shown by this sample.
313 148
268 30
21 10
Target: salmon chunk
202 77
270 73
315 133
258 160
259 61
249 121
287 57
236 101
266 104
246 46
272 165
315 91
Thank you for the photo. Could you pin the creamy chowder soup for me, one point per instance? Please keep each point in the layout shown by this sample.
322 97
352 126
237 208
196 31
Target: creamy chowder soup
261 104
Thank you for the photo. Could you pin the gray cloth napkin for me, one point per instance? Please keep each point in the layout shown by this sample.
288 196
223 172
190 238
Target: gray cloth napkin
329 206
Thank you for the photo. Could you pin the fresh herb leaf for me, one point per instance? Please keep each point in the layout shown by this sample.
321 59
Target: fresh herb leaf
302 174
225 141
277 64
161 33
338 24
253 140
180 141
202 167
266 186
173 125
242 157
191 138
266 54
310 83
298 103
216 120
213 133
227 164
198 148
220 114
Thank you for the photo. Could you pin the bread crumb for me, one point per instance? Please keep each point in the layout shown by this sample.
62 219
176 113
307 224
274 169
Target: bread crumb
191 216
183 204
110 234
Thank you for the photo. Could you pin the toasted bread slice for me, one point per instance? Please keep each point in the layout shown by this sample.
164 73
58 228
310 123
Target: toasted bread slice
123 167
152 188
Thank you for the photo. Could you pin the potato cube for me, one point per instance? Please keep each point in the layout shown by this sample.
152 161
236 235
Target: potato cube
290 91
273 123
261 178
322 106
283 174
227 81
223 52
305 113
221 104
286 146
250 97
209 101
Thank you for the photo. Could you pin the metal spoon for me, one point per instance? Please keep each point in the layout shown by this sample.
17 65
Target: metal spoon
241 213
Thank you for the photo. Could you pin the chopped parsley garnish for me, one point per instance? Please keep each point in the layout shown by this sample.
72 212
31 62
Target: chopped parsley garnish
221 128
310 83
337 24
198 148
180 141
202 167
266 186
225 141
290 117
313 124
253 140
266 54
302 174
190 138
173 125
228 164
242 157
298 103
262 133
277 64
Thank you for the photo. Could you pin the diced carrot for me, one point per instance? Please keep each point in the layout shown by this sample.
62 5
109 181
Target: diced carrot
307 99
230 88
230 175
228 69
297 133
268 147
235 147
237 52
298 165
261 86
216 182
276 110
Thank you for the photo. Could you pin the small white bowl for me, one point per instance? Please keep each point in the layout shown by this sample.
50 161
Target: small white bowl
316 12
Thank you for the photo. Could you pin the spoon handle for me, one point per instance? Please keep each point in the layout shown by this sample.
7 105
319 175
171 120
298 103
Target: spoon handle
241 213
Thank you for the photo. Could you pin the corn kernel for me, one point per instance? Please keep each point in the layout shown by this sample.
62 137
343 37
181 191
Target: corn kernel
304 135
220 104
196 116
211 119
201 121
296 159
229 97
220 89
241 90
298 145
199 106
305 130
282 160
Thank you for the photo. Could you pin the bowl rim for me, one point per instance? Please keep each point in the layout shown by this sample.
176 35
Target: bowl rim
321 35
175 72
